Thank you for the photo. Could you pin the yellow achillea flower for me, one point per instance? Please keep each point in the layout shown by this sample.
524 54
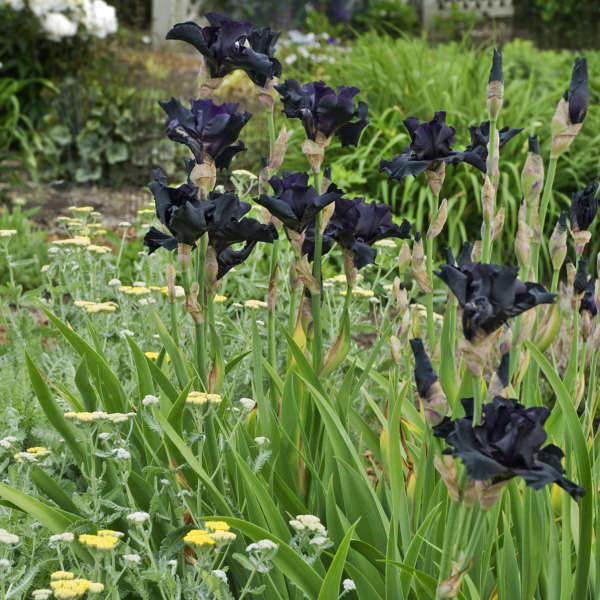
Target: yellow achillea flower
217 525
341 278
70 588
199 537
98 249
203 398
94 307
81 210
96 588
359 292
98 415
134 290
110 532
38 451
7 232
61 575
78 240
219 299
154 356
101 542
223 537
255 304
179 291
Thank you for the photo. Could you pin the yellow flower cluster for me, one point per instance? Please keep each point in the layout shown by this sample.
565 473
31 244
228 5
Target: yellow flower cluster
199 537
218 299
217 525
99 249
101 542
38 451
203 398
94 307
61 575
154 355
74 588
341 278
81 210
32 454
134 290
360 292
78 240
179 291
255 304
98 415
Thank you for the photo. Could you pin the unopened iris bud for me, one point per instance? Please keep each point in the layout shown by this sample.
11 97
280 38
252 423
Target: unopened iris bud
184 254
584 207
446 466
571 110
523 240
436 174
440 220
404 257
498 223
548 328
396 349
279 149
558 242
571 271
488 198
428 385
314 150
495 89
191 304
418 265
532 176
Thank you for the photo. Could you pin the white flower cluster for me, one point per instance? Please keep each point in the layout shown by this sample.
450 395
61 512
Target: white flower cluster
62 19
308 523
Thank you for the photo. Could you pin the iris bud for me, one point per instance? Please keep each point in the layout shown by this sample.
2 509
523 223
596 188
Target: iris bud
548 328
558 242
523 240
495 89
436 174
404 257
418 265
532 176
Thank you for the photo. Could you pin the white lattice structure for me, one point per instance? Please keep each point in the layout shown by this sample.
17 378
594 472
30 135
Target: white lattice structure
484 8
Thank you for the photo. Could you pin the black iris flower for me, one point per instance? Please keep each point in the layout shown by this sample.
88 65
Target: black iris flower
584 206
584 284
228 45
356 225
507 444
221 216
431 143
294 202
480 137
207 128
490 294
324 111
578 94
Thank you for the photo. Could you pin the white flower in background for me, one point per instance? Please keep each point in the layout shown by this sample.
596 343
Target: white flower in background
8 538
4 563
138 517
132 559
8 441
100 19
58 26
310 523
104 435
261 440
150 399
125 224
319 540
220 574
262 546
123 454
42 7
45 268
66 537
125 332
348 585
247 403
41 594
115 283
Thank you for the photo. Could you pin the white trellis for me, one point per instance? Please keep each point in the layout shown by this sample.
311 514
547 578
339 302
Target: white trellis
165 13
483 8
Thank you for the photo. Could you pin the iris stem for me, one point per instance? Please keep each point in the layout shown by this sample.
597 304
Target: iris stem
316 298
487 227
430 242
543 210
201 328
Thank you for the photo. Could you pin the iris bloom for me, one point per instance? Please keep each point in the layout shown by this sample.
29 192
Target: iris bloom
221 216
356 225
480 137
508 443
490 294
295 203
324 112
578 94
431 144
584 206
586 285
229 45
208 129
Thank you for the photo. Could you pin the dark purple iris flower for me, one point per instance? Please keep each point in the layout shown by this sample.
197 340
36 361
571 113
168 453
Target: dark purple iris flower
578 94
221 216
295 203
207 128
586 285
507 444
480 137
228 45
323 111
490 294
584 206
356 225
431 143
